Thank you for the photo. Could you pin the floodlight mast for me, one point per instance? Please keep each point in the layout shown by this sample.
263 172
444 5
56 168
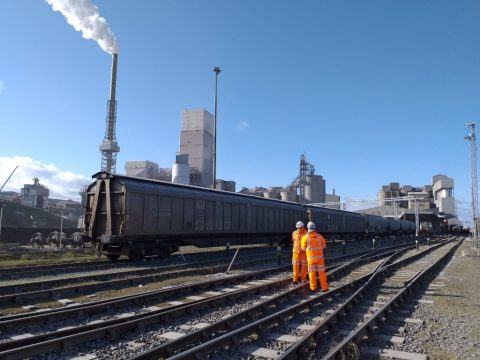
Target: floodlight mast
473 173
217 71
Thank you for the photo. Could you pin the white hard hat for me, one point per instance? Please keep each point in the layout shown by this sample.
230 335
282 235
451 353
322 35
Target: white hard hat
299 224
311 225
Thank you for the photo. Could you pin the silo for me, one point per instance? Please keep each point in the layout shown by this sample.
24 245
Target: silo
181 174
270 194
314 189
288 195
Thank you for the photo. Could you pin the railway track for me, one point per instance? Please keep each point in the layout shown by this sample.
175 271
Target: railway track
52 290
326 325
28 291
61 339
29 272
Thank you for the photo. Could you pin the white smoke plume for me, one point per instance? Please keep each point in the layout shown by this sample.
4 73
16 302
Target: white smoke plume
83 15
62 184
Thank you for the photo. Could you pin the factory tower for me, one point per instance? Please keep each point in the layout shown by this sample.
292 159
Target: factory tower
109 146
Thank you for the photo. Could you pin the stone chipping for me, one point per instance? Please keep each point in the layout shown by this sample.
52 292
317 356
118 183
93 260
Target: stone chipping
451 325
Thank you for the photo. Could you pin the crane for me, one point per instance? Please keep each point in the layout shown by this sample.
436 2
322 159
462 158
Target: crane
5 183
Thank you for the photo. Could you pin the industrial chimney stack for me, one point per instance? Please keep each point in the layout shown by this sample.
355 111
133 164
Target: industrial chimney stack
109 146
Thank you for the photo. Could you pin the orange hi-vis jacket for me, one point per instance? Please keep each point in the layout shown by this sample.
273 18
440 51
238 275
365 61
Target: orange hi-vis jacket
313 244
297 238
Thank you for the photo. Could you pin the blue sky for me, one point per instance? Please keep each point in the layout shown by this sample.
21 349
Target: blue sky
371 91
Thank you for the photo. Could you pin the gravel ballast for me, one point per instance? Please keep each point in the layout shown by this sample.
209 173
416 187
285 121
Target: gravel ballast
451 328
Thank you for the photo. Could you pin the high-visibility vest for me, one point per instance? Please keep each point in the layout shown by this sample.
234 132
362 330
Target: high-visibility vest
297 238
313 244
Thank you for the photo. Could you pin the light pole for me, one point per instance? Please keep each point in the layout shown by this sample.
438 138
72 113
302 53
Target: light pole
473 173
214 155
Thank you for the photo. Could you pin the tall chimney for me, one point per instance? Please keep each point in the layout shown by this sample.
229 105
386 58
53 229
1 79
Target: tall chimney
113 83
109 146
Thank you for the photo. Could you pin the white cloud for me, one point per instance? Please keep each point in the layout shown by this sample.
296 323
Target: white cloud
242 125
2 86
62 184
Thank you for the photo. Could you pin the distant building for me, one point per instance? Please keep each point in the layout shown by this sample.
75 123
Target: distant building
68 209
147 170
332 200
225 185
256 191
34 195
141 168
196 140
437 195
314 192
443 194
435 203
10 196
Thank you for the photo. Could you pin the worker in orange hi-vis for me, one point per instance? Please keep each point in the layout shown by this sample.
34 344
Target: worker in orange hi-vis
313 244
299 258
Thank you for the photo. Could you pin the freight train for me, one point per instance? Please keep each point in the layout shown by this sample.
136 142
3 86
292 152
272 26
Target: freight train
141 217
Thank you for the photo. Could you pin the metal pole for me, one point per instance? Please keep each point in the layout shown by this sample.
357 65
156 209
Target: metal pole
214 155
1 218
231 263
61 231
417 222
473 174
279 254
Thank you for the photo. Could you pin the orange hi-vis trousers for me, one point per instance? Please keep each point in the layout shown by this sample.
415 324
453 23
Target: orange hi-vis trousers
299 263
313 268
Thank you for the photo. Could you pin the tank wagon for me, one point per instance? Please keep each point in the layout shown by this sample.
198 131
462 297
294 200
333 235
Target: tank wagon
376 225
141 217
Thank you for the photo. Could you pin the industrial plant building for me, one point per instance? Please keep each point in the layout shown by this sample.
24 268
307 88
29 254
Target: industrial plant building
195 160
36 196
307 188
147 169
435 203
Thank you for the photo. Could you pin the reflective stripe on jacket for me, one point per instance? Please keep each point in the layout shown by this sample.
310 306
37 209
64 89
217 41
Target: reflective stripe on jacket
297 238
313 244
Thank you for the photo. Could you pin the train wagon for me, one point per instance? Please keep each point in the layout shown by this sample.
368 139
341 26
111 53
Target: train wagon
138 217
408 227
376 225
394 226
337 224
142 217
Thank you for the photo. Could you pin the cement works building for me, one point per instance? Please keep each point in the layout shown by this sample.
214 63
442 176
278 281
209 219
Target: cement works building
435 202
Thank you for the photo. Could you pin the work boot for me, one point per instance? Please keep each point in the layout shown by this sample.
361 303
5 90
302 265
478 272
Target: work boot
294 282
313 291
324 290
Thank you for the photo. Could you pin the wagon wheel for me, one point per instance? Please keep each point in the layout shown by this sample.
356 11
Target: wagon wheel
113 257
